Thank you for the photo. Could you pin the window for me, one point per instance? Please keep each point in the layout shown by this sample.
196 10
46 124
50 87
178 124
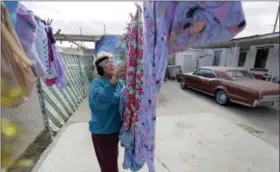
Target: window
242 58
205 73
198 72
208 73
217 57
240 74
261 58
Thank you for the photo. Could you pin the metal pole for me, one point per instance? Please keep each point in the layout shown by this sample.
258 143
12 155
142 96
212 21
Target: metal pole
104 29
42 105
80 35
277 15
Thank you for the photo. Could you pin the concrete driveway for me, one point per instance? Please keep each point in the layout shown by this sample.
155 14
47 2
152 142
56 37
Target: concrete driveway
260 122
197 143
193 134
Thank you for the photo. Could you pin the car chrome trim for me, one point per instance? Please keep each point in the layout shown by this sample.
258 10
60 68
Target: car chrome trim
201 91
241 103
273 99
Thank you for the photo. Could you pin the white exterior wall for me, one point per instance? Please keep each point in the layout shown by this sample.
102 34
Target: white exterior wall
250 58
187 60
229 57
272 63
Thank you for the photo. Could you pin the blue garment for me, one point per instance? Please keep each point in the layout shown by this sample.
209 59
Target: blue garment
12 7
171 27
104 99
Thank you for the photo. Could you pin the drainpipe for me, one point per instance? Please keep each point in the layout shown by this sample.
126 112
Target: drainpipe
235 52
226 58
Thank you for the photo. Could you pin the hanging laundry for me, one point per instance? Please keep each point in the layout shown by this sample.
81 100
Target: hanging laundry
200 23
17 78
57 60
41 44
25 28
113 44
51 76
170 27
132 93
12 7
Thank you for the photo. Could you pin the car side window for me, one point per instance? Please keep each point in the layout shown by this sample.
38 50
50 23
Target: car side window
206 73
210 74
197 73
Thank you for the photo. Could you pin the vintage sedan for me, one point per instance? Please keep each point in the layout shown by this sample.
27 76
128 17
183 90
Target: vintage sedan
229 84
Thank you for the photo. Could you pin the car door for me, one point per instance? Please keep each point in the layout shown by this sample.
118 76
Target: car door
207 79
197 79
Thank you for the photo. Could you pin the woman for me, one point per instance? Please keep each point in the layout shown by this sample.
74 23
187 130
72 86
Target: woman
105 120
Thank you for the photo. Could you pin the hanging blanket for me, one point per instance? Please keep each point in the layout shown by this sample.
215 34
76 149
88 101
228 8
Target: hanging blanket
133 91
171 27
113 44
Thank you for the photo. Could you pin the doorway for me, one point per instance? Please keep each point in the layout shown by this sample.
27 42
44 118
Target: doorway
261 58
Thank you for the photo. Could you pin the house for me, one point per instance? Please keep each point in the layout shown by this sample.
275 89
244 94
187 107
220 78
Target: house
259 51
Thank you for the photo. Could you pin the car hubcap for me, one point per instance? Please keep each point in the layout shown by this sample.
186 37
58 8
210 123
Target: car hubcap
222 97
182 84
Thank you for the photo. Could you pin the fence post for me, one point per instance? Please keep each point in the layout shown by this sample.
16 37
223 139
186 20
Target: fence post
42 106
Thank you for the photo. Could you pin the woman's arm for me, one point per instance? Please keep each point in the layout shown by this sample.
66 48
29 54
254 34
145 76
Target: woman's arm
102 96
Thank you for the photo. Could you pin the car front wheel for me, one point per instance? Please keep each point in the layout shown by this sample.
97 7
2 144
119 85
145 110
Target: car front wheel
221 97
182 84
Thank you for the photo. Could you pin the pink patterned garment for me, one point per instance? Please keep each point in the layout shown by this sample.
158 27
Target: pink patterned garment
134 75
129 134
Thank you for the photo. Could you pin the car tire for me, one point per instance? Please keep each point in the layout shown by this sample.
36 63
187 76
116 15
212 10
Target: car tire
221 97
183 84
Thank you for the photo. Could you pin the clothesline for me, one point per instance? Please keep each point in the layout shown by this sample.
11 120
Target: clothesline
37 44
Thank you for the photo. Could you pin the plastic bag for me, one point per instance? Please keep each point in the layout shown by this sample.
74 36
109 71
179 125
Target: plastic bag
17 78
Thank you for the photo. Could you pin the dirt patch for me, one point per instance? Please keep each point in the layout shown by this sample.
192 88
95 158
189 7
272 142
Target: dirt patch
34 151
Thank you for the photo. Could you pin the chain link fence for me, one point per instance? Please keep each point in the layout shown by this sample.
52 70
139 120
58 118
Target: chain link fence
49 108
59 104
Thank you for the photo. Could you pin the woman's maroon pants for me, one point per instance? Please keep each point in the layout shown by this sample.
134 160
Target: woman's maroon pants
107 151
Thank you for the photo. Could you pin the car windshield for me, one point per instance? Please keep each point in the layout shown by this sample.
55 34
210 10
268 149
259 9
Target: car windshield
240 74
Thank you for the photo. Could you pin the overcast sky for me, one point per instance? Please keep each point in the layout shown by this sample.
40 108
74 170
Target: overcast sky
92 16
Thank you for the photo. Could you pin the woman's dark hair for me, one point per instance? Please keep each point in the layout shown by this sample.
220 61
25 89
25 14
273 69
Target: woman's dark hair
100 69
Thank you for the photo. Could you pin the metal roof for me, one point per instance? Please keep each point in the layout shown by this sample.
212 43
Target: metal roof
245 42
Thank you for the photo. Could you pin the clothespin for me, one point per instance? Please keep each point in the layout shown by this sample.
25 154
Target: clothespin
131 16
137 4
49 21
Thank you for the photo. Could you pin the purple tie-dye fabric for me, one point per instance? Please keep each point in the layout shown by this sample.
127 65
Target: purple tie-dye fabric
59 67
26 31
178 26
57 61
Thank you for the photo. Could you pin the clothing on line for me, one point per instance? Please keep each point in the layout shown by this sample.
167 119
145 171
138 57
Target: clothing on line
171 27
133 91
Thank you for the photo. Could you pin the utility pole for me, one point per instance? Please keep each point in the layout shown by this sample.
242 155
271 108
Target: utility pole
104 29
277 16
80 35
